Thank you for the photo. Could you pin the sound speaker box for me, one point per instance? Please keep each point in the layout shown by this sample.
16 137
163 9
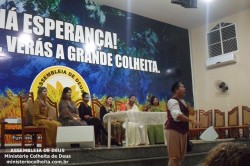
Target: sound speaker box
75 137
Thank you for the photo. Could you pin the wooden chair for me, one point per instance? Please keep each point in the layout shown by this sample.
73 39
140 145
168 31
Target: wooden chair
219 121
205 118
193 115
53 111
27 126
233 120
118 104
245 120
96 106
78 102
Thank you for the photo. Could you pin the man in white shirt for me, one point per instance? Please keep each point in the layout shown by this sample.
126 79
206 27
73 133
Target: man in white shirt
131 103
136 131
177 125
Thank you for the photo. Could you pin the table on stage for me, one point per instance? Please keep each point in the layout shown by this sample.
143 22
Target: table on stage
141 118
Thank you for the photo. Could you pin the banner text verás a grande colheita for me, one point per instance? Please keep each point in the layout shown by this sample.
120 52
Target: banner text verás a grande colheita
46 27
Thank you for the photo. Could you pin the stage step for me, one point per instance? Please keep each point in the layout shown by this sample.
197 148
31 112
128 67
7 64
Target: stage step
191 160
143 155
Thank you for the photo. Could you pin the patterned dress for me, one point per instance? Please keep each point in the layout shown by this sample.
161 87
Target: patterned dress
69 114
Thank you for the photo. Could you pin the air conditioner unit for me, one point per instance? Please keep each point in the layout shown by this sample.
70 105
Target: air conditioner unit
220 60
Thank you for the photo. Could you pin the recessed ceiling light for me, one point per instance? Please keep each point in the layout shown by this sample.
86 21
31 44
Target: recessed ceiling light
207 0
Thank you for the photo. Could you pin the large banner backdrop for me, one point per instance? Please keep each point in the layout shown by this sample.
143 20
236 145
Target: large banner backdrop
90 47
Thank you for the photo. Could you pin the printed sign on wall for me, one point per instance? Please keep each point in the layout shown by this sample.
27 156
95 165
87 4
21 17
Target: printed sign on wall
88 47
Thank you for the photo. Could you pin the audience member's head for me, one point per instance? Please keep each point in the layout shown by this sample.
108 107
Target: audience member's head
132 99
178 89
228 154
108 101
42 92
154 101
85 97
66 94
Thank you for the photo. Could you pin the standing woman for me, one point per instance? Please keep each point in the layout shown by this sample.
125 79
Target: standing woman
177 125
69 115
85 112
116 126
41 118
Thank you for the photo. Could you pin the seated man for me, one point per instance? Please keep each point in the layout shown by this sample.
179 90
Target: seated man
136 132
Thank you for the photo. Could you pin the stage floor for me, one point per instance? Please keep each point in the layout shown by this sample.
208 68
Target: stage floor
150 155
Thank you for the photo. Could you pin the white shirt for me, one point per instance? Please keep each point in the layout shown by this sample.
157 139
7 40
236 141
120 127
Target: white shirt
134 108
174 108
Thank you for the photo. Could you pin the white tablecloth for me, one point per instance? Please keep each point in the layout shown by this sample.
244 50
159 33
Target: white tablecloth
143 118
146 118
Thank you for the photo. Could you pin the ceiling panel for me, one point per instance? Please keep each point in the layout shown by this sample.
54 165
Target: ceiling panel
163 10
